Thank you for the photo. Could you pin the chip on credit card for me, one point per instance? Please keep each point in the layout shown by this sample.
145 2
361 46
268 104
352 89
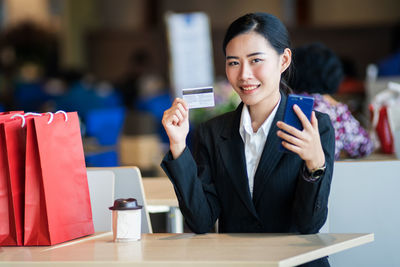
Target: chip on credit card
200 97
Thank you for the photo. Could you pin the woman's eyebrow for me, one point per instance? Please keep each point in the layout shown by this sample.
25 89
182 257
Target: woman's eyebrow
232 57
255 54
249 55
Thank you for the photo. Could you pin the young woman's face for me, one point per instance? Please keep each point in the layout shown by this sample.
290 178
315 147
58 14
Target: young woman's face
254 68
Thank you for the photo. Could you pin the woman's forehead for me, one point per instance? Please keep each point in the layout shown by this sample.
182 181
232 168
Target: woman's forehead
248 42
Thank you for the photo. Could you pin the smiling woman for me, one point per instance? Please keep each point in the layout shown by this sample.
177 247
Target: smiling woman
254 69
238 173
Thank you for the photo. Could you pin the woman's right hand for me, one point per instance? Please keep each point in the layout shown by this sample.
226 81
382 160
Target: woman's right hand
176 123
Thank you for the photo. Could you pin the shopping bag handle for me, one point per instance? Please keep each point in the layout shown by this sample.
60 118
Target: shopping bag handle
32 113
52 115
21 116
38 114
63 112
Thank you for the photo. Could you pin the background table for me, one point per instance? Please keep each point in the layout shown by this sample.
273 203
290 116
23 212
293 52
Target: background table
160 197
159 191
186 250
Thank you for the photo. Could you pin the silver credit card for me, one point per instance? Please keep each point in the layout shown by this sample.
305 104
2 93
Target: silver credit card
200 97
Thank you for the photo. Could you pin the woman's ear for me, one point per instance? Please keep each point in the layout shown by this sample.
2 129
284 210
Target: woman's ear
286 59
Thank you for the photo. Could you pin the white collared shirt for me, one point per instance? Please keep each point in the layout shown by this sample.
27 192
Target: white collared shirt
254 142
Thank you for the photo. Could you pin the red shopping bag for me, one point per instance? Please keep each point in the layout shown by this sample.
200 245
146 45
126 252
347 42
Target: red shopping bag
384 132
12 161
57 201
11 112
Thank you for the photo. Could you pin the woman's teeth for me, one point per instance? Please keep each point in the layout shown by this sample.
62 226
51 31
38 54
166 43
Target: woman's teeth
248 88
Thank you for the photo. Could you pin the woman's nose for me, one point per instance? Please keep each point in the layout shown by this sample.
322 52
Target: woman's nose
245 72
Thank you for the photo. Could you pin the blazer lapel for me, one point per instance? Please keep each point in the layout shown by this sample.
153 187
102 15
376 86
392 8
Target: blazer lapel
232 153
270 155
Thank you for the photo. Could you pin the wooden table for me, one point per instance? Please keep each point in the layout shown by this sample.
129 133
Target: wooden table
159 191
186 250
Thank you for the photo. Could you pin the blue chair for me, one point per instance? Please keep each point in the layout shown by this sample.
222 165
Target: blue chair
390 66
102 159
105 125
29 96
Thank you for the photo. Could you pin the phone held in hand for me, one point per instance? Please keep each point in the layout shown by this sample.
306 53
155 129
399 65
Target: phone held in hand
305 103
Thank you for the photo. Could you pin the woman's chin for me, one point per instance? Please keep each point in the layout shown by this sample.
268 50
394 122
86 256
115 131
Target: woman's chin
249 101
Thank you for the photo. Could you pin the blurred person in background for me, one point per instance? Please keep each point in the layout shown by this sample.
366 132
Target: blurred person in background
129 84
319 73
80 93
7 70
28 88
154 97
28 54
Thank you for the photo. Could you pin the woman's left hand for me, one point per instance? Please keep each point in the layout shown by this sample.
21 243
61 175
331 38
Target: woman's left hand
305 143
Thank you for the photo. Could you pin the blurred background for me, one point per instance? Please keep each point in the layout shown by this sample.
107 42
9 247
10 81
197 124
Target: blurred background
110 61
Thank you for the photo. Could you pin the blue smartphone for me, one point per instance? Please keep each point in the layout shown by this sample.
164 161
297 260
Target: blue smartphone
306 104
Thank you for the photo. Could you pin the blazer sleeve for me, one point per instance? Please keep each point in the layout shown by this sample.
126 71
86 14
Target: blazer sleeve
193 186
311 198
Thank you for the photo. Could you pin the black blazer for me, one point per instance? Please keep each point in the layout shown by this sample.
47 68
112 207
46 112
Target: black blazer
214 185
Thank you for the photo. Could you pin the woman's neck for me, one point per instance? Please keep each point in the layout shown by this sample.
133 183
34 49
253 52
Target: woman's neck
260 112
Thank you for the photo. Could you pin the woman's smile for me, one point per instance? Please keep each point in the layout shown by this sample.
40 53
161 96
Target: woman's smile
249 89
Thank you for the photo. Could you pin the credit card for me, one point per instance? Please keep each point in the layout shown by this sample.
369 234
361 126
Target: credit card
200 97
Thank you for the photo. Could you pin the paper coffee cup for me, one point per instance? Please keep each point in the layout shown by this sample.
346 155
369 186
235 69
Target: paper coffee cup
127 215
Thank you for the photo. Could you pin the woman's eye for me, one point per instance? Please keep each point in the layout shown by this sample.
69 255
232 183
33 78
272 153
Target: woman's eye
232 63
256 60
